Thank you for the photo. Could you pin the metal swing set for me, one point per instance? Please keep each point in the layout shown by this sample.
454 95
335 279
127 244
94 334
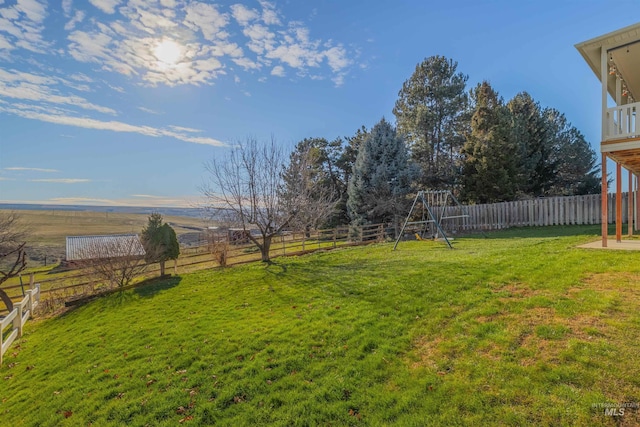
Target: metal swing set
436 207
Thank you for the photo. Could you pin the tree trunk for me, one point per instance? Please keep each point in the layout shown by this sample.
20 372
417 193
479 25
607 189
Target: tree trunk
266 245
161 268
7 301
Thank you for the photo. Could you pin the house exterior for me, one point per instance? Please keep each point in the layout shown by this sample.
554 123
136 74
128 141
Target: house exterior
615 60
84 248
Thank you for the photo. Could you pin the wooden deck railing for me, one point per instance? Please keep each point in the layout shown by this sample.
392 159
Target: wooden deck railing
622 122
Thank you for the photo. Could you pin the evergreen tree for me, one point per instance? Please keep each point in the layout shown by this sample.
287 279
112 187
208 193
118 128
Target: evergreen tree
382 177
576 166
159 241
490 169
345 163
432 113
536 149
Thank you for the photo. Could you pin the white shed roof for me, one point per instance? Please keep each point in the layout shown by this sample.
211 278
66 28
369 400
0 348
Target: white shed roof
109 246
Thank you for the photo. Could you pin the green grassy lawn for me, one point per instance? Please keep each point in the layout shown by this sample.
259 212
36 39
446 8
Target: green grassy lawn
520 328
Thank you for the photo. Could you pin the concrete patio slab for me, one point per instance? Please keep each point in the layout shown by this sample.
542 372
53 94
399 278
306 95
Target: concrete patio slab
624 245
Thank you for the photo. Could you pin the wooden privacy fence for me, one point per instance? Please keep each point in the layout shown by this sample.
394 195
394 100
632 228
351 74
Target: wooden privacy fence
22 311
567 210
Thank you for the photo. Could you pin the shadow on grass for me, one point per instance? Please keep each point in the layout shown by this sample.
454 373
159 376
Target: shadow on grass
151 287
539 232
146 289
276 268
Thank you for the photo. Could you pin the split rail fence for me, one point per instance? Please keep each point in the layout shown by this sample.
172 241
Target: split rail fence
14 322
58 288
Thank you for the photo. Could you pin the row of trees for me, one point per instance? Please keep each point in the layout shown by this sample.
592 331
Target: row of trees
446 137
484 149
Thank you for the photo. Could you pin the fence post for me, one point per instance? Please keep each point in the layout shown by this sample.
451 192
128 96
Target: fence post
175 267
30 302
284 252
32 280
335 237
17 321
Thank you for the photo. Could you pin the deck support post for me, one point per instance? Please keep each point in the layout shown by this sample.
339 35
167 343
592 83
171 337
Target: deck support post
604 204
630 205
618 202
637 203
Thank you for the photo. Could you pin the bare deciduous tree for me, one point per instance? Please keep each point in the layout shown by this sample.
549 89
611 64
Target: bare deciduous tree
244 189
116 260
12 251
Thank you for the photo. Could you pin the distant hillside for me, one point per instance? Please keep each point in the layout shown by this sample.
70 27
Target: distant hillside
189 212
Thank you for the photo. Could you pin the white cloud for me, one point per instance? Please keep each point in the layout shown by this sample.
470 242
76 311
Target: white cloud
269 13
261 39
338 80
77 18
66 6
62 118
135 200
22 25
127 43
146 196
207 19
61 180
20 168
243 14
81 201
168 3
79 77
184 129
278 70
148 110
107 6
32 9
337 58
35 88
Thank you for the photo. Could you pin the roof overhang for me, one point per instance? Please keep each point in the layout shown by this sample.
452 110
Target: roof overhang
623 46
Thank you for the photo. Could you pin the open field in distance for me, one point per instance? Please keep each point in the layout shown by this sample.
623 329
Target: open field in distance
48 228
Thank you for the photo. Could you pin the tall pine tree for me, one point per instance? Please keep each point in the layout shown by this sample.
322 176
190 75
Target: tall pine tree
431 111
575 160
490 169
536 150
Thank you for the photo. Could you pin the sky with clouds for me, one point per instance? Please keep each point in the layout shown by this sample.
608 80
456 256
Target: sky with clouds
120 102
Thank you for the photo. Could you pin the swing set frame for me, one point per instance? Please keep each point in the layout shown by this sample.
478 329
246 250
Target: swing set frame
431 200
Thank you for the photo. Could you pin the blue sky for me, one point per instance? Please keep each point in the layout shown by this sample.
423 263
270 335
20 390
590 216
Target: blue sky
120 102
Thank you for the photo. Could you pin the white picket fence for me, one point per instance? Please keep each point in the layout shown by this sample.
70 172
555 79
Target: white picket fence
567 210
22 311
